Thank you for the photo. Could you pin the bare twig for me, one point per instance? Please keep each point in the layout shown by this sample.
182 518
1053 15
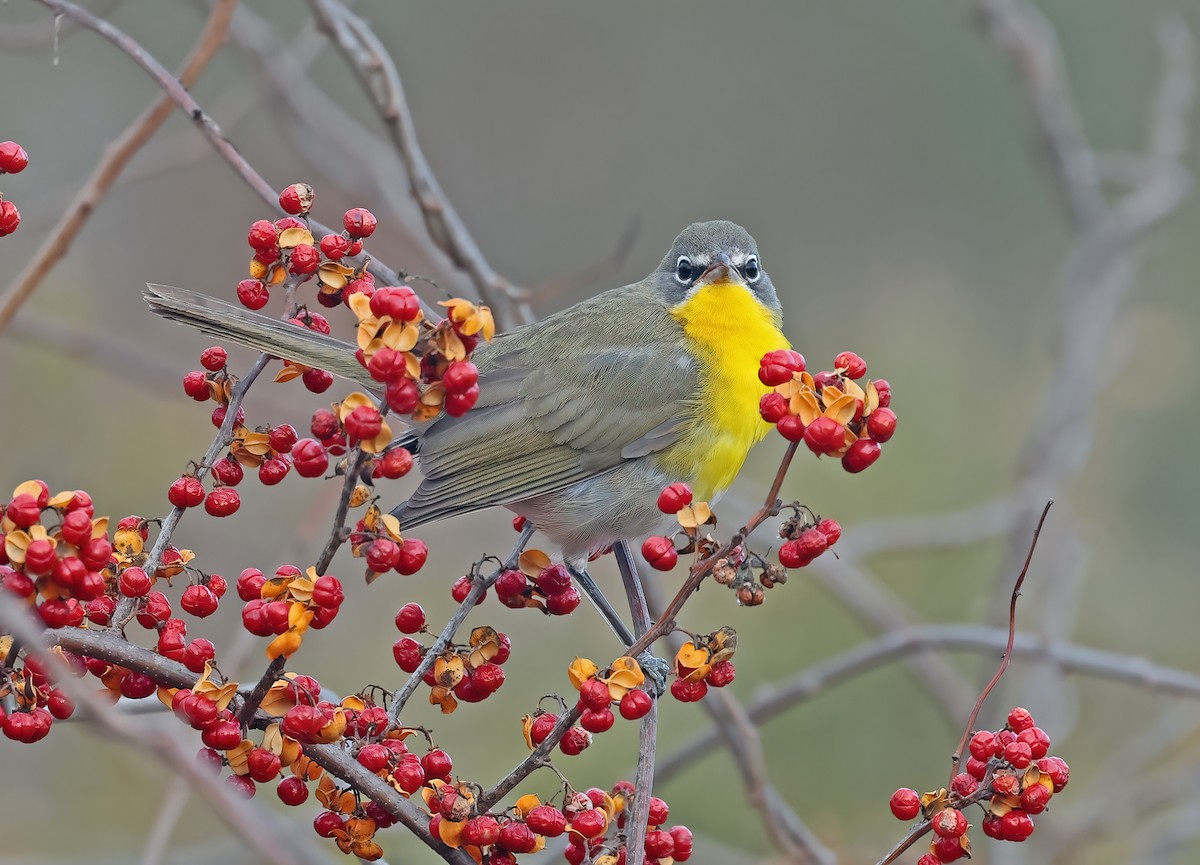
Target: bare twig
1004 661
116 157
378 74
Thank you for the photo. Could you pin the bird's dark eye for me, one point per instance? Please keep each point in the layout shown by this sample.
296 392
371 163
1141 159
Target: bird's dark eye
751 269
683 269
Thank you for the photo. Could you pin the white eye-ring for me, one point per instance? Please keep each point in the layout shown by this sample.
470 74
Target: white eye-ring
751 269
683 270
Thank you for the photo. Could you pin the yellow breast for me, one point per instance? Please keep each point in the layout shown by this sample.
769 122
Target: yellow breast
729 331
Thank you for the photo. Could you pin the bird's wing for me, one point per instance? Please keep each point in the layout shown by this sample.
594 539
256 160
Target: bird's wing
552 413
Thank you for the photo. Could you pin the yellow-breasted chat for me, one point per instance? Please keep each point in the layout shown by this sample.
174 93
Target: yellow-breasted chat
583 416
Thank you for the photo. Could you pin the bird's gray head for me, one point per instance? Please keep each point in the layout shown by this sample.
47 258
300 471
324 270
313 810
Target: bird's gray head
708 252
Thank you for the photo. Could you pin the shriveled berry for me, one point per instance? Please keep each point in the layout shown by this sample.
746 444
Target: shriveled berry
1057 769
546 820
252 294
1020 719
297 198
1034 798
688 692
334 246
963 785
186 492
10 218
1018 754
222 502
950 823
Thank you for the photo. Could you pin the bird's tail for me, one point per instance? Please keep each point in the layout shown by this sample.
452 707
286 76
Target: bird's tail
228 322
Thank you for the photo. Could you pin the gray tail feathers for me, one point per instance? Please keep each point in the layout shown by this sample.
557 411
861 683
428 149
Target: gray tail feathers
226 321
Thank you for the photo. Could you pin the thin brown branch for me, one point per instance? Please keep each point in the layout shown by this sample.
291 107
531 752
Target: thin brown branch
538 757
377 71
116 156
1008 648
207 127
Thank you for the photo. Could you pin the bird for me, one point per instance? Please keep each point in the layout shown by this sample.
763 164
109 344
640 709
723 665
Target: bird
583 416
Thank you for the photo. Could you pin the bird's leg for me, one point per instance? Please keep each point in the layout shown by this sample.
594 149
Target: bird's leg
656 669
588 586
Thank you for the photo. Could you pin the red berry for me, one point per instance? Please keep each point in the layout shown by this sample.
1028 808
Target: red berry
274 470
511 585
297 198
515 837
929 859
983 745
1016 825
688 692
1037 740
398 302
199 601
963 785
317 380
854 366
1020 719
310 458
334 246
824 436
593 694
222 502
364 423
195 385
413 554
304 259
541 727
791 555
905 804
437 764
812 542
682 836
481 831
590 823
777 367
218 416
721 674
407 653
282 438
635 704
253 294
659 844
1018 754
186 492
947 849
262 235
1057 769
488 678
674 498
396 463
327 592
885 392
597 720
328 822
13 158
402 395
861 455
564 603
24 510
10 218
791 428
263 765
659 812
459 376
458 403
554 580
410 619
134 582
1034 798
293 791
831 529
546 820
773 407
660 552
881 425
359 222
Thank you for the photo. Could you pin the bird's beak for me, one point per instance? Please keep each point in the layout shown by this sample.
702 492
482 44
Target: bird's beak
720 270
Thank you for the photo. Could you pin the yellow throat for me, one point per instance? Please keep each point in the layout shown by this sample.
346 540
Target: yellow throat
730 331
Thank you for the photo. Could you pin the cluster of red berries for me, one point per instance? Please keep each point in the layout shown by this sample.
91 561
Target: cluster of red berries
592 821
830 412
660 551
706 660
423 367
13 160
471 672
806 537
537 583
1009 774
287 605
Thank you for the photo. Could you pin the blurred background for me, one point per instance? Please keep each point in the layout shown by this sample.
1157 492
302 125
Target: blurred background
885 158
